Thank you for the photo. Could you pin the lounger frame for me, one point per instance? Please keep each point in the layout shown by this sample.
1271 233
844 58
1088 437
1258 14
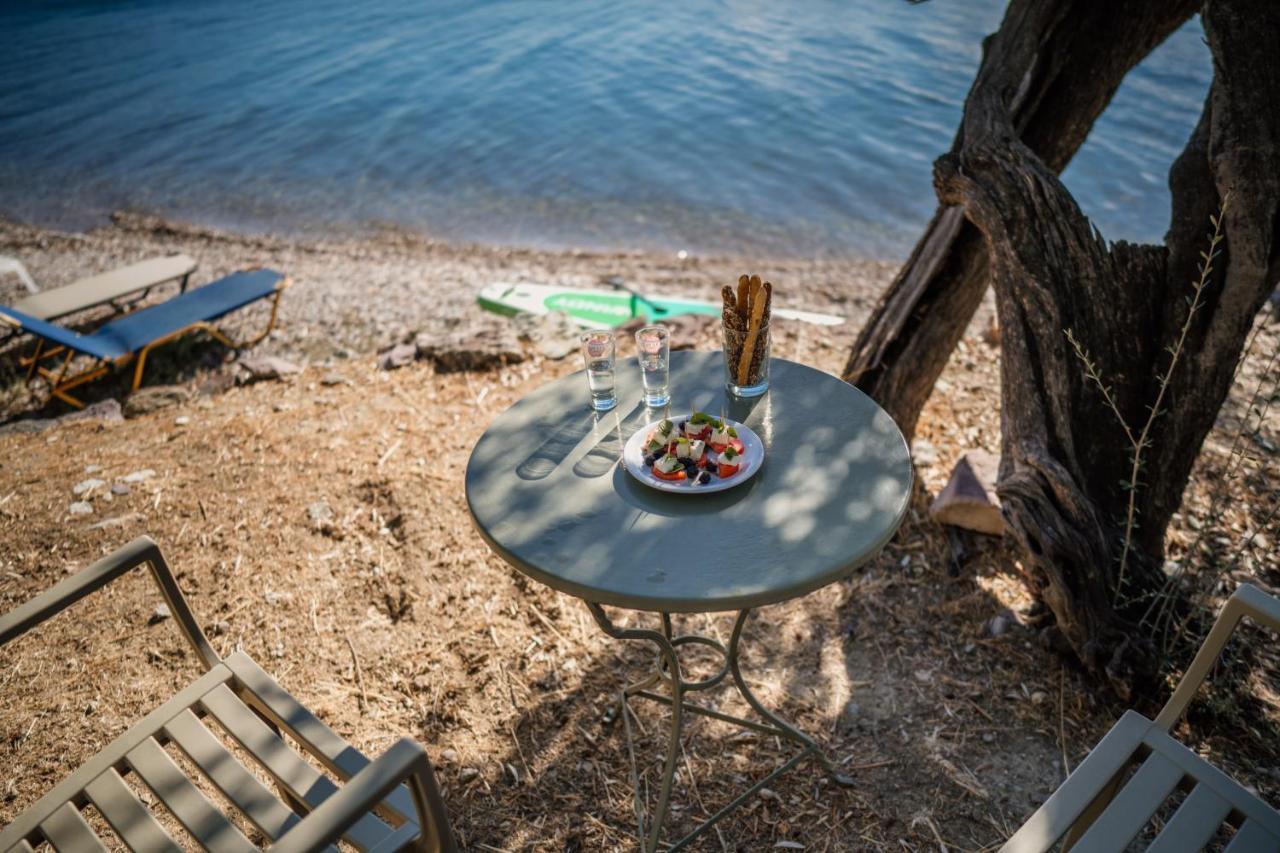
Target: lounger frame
61 379
392 803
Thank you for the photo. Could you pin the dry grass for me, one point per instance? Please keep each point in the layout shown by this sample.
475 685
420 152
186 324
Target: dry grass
399 621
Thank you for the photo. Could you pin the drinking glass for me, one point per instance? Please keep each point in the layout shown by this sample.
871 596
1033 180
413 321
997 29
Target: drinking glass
598 350
653 349
752 378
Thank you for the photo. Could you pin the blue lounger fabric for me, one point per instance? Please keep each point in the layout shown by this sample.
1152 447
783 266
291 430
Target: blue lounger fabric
132 332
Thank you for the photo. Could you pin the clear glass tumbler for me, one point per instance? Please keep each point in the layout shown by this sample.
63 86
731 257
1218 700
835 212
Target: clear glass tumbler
746 359
598 351
653 350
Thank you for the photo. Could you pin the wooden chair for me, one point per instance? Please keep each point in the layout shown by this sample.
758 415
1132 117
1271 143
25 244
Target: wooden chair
1099 809
372 810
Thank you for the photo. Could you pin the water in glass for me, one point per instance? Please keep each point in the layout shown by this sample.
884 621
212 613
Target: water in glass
598 355
653 351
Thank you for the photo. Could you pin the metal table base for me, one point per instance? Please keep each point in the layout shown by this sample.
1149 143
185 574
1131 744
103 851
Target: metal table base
667 669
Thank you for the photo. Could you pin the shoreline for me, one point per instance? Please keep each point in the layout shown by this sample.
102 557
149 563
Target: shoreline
360 293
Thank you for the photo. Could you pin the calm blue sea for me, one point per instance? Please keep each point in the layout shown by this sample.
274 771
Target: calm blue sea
803 127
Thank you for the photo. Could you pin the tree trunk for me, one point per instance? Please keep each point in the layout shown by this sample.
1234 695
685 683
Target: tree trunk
1063 449
1057 65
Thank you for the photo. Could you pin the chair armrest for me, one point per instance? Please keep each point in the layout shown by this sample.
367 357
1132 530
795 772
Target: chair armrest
1247 600
141 551
405 760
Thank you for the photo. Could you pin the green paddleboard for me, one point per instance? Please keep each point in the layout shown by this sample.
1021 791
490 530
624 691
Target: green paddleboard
609 308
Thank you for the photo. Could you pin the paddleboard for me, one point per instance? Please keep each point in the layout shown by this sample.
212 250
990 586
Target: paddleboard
601 309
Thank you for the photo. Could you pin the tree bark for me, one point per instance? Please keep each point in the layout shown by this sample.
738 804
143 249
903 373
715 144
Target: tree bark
1063 448
1057 65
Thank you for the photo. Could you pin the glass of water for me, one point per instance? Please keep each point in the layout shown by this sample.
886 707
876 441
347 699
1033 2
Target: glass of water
653 349
598 351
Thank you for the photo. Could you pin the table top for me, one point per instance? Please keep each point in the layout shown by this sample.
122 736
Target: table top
547 491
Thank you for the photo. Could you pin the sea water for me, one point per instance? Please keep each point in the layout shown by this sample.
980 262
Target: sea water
802 128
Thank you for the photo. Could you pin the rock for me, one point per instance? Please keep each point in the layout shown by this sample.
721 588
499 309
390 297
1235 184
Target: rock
275 599
332 379
468 774
320 514
554 334
1039 697
120 489
181 420
92 469
107 410
116 521
216 383
263 368
85 487
397 357
80 508
969 498
449 756
139 476
923 453
147 400
219 628
475 349
1001 623
160 614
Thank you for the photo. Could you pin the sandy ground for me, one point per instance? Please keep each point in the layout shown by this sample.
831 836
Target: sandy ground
395 619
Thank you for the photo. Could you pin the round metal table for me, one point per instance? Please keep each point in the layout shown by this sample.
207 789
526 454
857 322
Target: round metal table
547 492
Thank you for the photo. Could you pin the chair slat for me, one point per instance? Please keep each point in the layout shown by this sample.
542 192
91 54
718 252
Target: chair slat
128 816
67 831
1051 821
21 847
69 788
1223 785
1134 805
1253 837
398 840
209 826
301 779
323 742
1195 822
272 818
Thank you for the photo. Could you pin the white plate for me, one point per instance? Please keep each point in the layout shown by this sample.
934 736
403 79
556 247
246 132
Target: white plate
633 460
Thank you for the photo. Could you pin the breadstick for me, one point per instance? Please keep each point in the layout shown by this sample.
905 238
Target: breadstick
768 300
730 301
753 331
744 296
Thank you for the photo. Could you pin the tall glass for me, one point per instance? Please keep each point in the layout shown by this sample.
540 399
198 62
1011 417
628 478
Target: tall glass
653 350
598 351
746 359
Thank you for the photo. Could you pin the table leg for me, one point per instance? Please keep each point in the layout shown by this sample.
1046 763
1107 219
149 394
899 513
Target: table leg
667 669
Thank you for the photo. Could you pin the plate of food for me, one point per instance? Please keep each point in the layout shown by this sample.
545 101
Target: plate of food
693 452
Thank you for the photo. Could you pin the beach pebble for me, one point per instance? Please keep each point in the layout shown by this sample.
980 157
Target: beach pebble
181 420
92 469
262 368
449 756
147 400
85 487
923 453
468 774
80 508
120 489
554 334
116 521
1039 697
397 357
139 476
332 379
160 614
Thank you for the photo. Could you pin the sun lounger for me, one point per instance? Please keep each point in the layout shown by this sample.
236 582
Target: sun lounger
1101 808
392 803
133 336
96 290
